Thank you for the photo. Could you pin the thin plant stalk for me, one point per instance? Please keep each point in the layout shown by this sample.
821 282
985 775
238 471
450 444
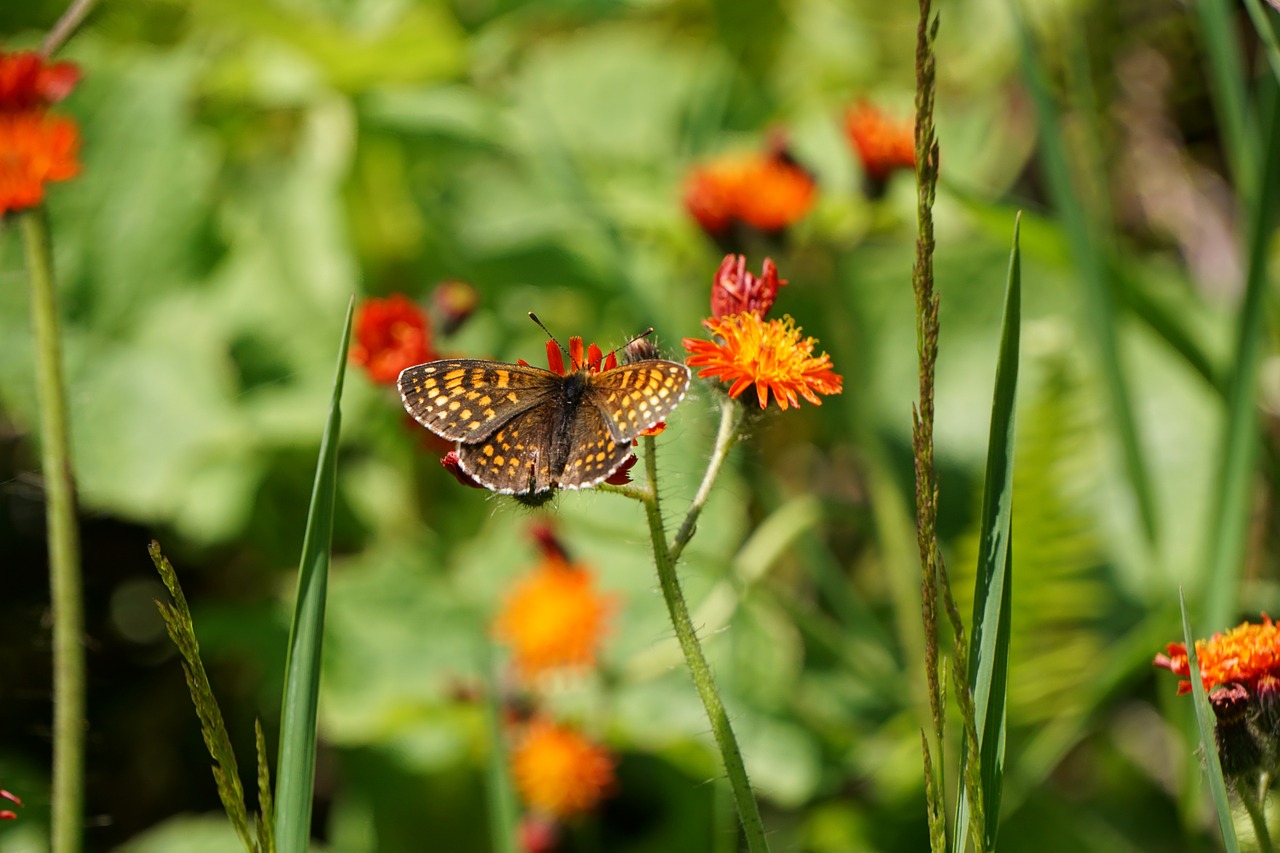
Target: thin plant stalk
665 561
65 584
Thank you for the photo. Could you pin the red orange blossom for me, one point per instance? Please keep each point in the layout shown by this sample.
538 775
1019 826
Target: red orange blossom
1247 655
36 148
748 351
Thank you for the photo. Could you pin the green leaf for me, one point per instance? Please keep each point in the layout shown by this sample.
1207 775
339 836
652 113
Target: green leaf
1229 510
1095 276
296 766
989 645
1206 721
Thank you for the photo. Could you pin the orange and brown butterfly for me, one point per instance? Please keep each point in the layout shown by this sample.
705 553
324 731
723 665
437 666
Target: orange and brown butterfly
523 430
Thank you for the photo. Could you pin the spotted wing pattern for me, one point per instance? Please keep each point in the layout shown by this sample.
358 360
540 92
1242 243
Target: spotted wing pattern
526 455
467 399
634 397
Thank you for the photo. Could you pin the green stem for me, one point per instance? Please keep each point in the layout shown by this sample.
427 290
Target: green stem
1257 809
748 810
731 418
64 544
67 25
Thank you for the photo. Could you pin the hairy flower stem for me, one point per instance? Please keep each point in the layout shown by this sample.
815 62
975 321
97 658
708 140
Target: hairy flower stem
1255 803
66 592
664 559
731 417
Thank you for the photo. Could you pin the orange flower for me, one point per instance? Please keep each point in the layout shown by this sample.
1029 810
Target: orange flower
553 617
770 355
768 191
882 145
35 149
558 771
1245 655
735 290
391 334
27 81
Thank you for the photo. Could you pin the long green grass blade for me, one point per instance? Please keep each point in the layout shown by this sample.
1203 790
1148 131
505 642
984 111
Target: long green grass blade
989 645
1240 439
1205 720
1094 273
498 790
296 767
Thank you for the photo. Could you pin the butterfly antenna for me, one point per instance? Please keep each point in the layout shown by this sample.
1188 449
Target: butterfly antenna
534 318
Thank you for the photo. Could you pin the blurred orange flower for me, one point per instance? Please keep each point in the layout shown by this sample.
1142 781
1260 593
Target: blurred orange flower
391 334
553 618
767 354
36 148
560 772
882 145
27 81
1246 655
769 191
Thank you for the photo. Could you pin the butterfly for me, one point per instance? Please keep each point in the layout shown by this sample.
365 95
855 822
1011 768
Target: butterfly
522 430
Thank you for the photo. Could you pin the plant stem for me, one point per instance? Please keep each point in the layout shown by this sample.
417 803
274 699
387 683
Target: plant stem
66 25
1257 809
65 588
748 810
731 417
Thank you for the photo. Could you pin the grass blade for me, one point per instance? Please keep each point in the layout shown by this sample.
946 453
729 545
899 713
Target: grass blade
1098 287
1240 439
989 646
1206 721
296 767
502 798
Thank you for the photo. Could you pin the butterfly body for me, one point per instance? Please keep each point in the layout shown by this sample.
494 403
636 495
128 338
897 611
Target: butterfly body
523 430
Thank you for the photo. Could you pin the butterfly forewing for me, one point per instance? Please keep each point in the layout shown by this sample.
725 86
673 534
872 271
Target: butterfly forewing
634 397
467 399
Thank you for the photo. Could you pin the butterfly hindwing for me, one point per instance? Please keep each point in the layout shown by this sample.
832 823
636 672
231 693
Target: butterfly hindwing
634 397
516 457
592 453
467 399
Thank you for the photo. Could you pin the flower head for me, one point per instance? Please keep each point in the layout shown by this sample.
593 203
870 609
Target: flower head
1245 655
735 290
27 81
391 334
882 145
769 355
553 618
768 191
35 149
560 772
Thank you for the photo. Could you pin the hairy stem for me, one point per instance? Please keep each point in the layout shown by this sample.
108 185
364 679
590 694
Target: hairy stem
731 418
699 669
65 588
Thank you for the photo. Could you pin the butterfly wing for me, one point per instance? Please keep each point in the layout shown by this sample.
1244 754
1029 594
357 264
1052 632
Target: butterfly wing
517 457
634 397
467 399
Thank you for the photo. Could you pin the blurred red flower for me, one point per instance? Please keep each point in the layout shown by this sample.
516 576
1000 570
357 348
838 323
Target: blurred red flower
27 81
391 334
558 771
768 191
883 146
36 148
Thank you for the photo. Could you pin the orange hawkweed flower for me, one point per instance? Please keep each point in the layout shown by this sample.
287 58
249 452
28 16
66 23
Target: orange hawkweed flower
767 191
1246 655
735 290
391 334
27 81
35 149
560 772
882 145
769 355
553 618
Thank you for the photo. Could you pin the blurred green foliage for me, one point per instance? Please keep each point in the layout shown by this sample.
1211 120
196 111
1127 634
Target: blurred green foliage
248 166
